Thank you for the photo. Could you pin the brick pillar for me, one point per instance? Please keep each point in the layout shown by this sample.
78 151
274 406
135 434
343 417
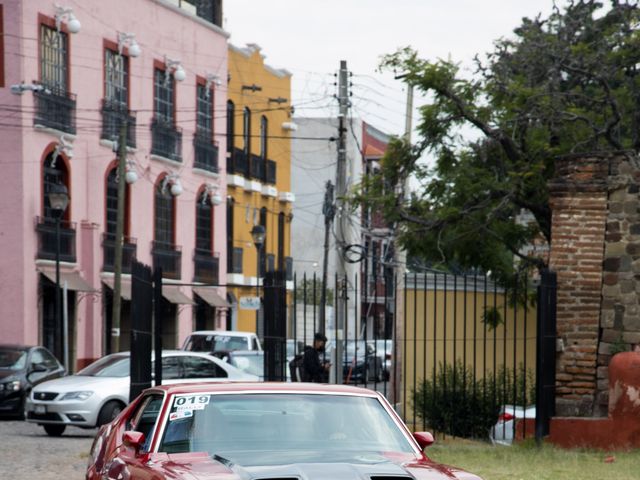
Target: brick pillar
578 199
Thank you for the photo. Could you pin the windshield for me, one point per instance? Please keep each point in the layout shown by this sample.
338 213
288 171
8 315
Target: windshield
264 429
13 359
253 364
216 343
109 366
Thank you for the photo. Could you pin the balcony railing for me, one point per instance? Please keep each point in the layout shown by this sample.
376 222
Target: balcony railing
270 172
46 229
56 110
166 140
129 250
257 167
112 115
168 257
206 267
206 153
240 162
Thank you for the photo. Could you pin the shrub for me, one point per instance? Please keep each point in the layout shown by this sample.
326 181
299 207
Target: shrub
457 405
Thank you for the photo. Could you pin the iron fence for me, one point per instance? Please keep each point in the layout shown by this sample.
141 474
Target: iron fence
166 140
168 258
129 249
206 153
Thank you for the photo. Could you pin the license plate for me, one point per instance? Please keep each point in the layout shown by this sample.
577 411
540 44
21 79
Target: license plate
41 409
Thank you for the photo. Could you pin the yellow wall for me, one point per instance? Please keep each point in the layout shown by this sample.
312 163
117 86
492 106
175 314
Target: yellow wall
246 67
421 352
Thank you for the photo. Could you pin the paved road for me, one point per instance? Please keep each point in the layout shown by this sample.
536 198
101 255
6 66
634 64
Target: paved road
28 453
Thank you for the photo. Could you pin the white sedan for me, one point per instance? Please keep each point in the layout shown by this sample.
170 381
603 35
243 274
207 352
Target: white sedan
98 393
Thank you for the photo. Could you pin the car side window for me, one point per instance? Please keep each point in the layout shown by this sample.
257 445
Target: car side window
197 367
170 368
145 417
48 360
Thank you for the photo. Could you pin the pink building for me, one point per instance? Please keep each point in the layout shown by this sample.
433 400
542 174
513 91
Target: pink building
67 77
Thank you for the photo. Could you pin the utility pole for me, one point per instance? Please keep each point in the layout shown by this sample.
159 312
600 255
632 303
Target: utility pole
329 211
341 240
117 267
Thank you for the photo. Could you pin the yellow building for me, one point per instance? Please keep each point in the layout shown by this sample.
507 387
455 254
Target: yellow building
258 174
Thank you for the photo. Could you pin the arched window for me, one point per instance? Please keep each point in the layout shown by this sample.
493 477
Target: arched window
231 113
54 171
164 224
264 126
230 228
246 134
204 224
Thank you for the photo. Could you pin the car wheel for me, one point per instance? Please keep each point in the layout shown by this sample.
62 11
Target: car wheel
109 411
54 430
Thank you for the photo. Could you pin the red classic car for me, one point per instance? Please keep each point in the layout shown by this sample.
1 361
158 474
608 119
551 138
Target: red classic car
262 431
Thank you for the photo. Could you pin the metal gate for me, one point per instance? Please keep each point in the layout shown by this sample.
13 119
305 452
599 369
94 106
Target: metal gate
455 354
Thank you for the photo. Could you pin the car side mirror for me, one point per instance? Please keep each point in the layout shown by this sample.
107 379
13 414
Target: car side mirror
133 440
424 439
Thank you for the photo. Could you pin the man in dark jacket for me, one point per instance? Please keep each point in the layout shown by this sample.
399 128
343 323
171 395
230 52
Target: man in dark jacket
314 370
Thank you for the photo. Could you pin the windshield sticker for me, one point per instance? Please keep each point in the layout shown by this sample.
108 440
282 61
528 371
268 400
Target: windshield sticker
180 414
191 402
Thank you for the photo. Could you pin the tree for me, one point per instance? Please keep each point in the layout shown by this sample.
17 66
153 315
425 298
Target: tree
565 84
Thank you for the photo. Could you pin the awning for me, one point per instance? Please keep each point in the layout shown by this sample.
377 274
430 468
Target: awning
210 295
74 280
125 286
173 294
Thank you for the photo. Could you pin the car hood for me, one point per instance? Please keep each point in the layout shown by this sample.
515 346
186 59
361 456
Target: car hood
200 466
73 383
5 373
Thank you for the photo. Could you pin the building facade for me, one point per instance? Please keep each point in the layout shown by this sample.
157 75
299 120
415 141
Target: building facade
68 76
258 178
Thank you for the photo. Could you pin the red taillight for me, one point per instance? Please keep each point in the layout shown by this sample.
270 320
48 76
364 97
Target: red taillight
505 417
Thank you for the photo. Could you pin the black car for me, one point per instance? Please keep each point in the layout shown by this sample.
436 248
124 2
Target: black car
22 367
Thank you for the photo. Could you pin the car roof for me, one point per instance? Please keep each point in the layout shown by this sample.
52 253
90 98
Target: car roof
166 353
230 333
239 387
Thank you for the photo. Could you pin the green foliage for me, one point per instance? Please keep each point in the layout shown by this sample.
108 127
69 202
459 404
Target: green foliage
618 346
491 317
458 405
310 292
567 83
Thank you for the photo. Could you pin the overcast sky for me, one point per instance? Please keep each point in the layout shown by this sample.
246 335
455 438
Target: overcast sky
309 38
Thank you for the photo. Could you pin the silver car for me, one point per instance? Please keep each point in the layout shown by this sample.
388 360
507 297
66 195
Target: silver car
98 393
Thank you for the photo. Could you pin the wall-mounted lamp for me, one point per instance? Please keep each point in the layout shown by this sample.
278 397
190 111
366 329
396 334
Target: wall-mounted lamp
253 87
128 40
211 192
212 79
20 88
176 67
65 14
63 147
131 175
174 181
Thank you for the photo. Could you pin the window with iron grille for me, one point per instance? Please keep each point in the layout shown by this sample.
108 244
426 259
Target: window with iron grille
231 111
116 81
281 227
163 105
54 60
264 125
204 224
204 118
112 203
246 134
230 203
164 222
54 173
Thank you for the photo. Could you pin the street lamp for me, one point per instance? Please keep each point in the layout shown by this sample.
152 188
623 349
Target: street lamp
258 233
58 201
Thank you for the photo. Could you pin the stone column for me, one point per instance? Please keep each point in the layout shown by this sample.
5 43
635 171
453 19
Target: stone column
578 199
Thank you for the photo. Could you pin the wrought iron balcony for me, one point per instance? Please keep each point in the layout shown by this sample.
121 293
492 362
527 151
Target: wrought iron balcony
270 172
206 266
239 163
46 229
168 257
56 110
206 153
257 167
166 140
112 115
129 250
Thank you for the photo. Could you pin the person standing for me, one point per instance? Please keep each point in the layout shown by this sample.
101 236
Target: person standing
313 369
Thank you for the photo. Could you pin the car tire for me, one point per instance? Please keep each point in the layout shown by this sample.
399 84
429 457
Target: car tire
54 430
108 412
